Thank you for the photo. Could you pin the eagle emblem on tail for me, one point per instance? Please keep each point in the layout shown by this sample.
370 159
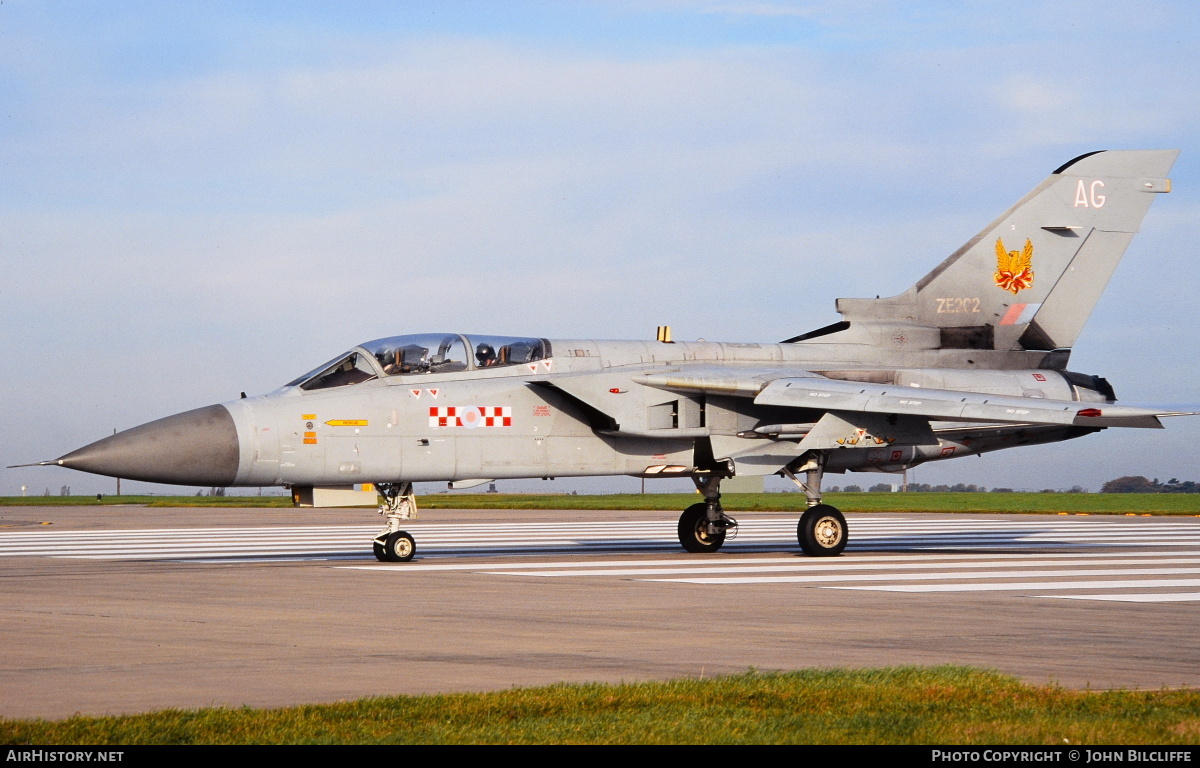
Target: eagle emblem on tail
1014 269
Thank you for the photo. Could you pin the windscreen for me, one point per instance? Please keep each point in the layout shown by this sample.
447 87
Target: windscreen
351 369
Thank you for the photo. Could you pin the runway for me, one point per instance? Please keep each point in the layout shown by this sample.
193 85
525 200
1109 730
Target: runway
110 610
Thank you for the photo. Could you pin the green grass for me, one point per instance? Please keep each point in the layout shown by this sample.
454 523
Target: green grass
1039 503
906 705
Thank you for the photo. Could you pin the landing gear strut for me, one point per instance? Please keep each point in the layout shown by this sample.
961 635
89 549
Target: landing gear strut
822 530
393 545
704 525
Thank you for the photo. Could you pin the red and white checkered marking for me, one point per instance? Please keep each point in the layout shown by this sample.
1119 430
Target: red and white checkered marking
470 416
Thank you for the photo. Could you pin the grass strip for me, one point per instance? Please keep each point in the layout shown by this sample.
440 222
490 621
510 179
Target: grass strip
901 705
1006 503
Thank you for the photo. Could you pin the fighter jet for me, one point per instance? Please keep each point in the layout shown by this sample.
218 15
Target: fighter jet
973 358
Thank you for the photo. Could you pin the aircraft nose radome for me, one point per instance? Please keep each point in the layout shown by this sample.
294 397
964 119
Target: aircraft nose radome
197 447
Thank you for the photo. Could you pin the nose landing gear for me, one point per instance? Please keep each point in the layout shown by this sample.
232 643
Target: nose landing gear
394 545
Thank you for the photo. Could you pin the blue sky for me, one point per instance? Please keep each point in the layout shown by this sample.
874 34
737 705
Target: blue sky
203 199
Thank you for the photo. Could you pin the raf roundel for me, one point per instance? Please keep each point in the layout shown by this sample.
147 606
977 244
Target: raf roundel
469 417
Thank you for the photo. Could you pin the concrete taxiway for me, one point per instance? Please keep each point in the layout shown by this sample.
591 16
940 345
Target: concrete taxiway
128 609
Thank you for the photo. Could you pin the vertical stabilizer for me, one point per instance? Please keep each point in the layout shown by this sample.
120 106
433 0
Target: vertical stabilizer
1030 279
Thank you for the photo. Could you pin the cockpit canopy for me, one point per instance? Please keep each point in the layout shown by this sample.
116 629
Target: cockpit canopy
423 353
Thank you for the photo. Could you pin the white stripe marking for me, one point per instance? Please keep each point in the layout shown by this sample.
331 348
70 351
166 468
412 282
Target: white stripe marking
926 576
852 562
1134 597
739 567
1035 585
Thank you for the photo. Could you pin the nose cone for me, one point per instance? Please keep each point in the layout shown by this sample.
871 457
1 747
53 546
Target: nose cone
197 447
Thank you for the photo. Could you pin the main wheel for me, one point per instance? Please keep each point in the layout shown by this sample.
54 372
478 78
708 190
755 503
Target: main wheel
822 531
399 547
693 530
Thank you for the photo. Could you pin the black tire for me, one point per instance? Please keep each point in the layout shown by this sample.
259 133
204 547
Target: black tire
380 552
822 531
693 530
399 547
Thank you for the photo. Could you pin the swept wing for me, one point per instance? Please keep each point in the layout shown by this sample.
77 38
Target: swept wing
814 392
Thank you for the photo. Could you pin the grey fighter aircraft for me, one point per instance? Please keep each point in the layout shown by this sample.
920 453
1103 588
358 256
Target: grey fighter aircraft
973 358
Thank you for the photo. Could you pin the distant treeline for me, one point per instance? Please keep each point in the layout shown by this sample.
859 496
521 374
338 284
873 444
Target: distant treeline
1131 484
1139 484
927 488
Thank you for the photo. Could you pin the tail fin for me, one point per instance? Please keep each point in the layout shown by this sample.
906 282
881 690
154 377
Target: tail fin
1030 279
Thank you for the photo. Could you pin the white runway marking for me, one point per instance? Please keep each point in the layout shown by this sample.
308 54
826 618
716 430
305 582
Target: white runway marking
1136 597
791 564
348 541
1068 558
1034 585
352 541
934 576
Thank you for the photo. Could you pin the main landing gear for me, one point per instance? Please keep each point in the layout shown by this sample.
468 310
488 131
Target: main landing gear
399 503
822 530
704 525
